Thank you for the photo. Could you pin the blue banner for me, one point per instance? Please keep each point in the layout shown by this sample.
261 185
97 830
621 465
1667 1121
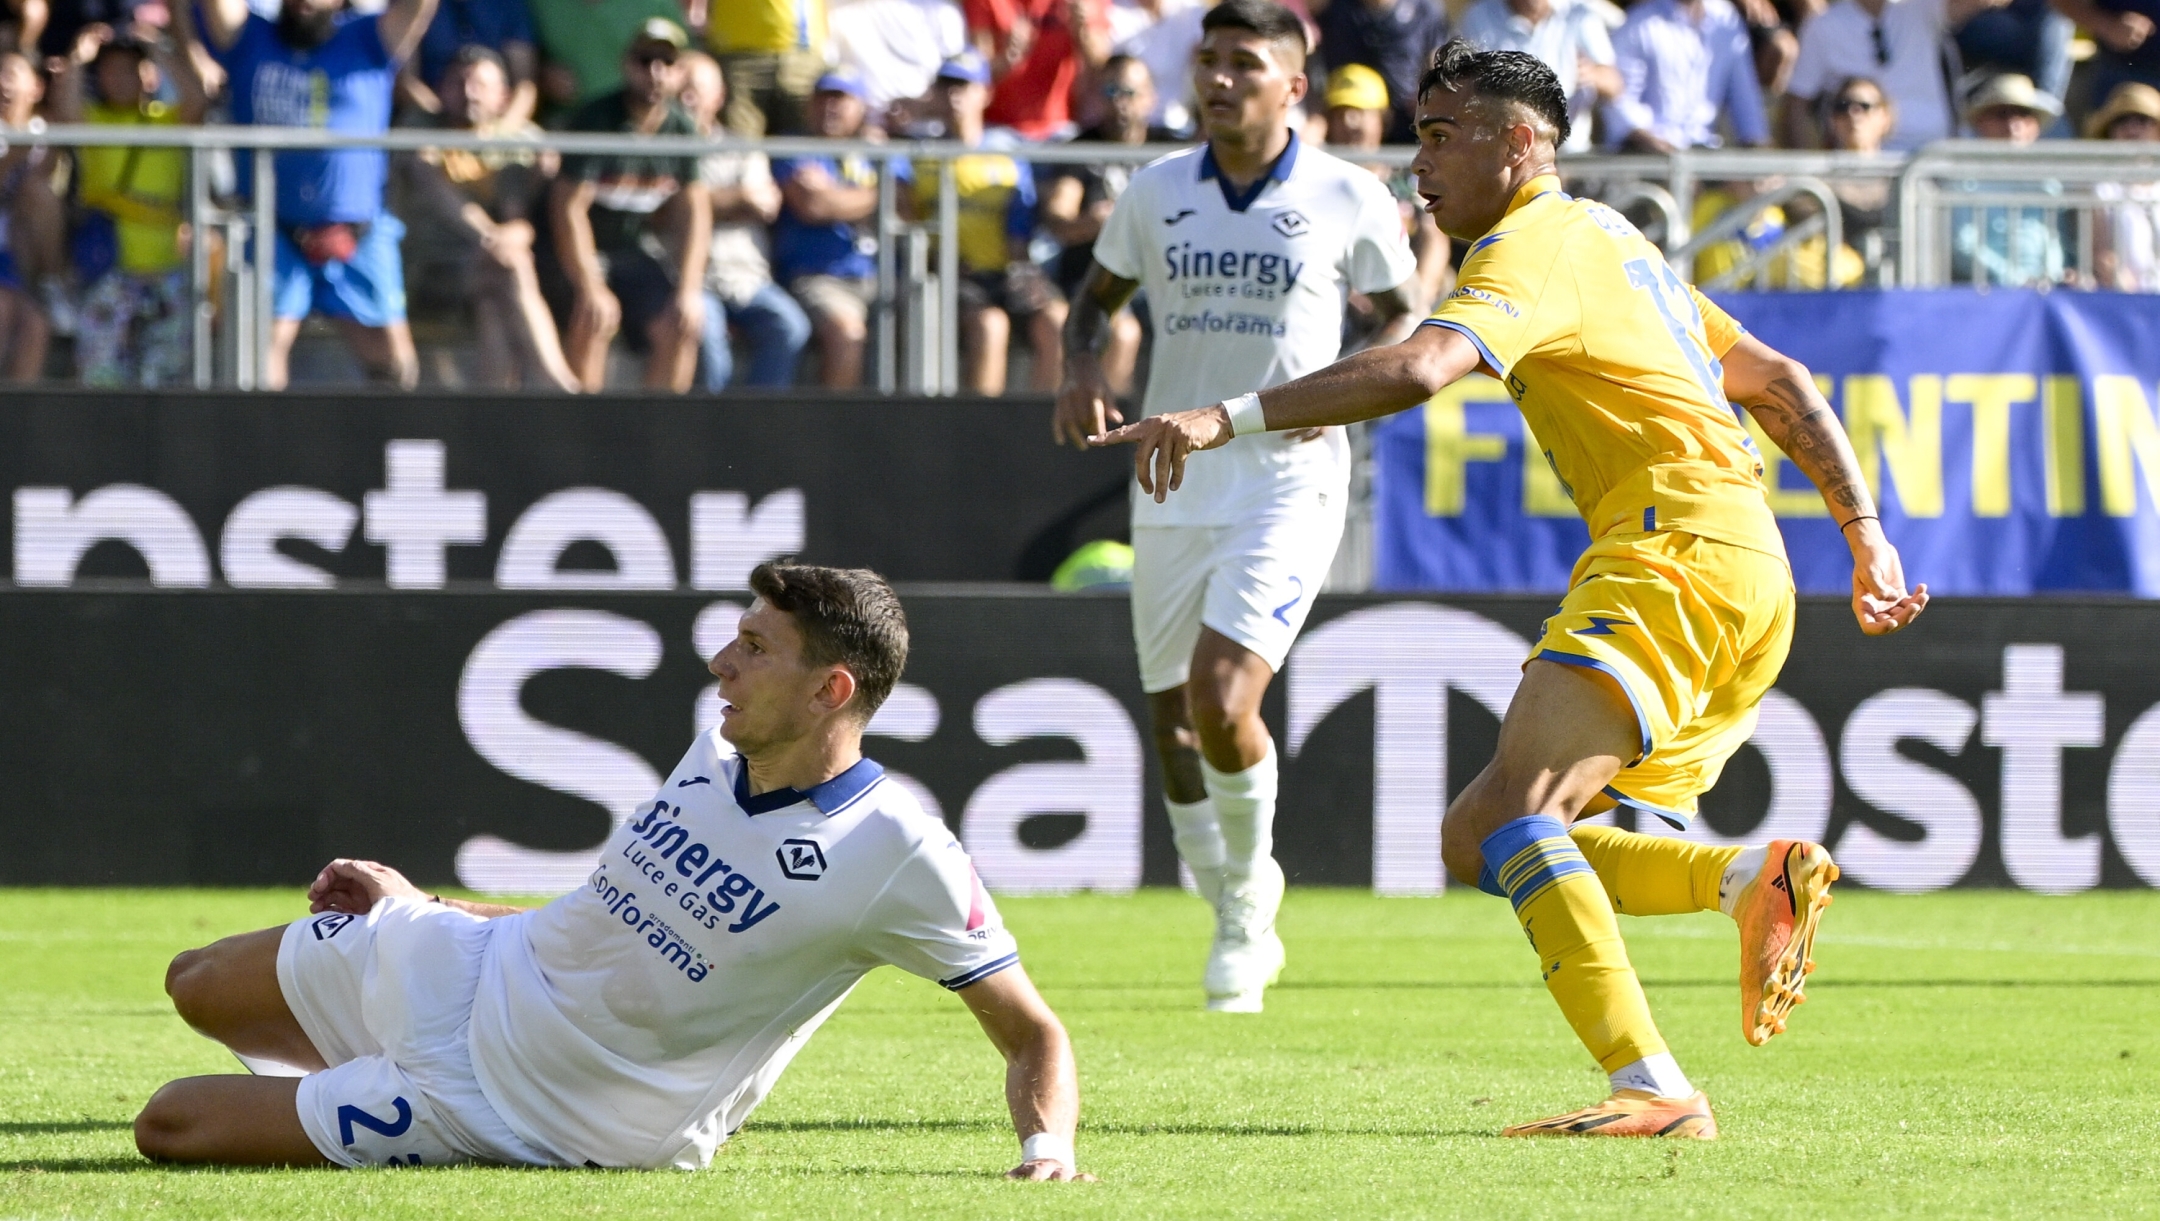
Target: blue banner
2012 437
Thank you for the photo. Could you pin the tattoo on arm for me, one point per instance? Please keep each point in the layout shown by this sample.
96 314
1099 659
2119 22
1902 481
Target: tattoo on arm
1795 416
1087 327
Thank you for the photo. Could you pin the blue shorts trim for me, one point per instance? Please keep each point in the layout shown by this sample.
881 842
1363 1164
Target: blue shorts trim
368 288
1642 723
1673 818
1497 365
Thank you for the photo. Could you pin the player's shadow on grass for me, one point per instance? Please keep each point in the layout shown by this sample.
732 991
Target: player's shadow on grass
54 1127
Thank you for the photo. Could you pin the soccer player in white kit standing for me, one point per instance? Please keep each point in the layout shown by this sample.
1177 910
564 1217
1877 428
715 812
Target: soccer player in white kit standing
638 1020
1247 248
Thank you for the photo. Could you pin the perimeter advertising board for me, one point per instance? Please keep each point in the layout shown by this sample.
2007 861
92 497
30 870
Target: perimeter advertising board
241 737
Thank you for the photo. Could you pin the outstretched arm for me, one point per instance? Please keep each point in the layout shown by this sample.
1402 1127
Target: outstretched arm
355 886
1041 1087
1779 392
1371 384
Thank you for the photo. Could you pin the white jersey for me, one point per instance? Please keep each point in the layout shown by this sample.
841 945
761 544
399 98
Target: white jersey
637 1021
1248 294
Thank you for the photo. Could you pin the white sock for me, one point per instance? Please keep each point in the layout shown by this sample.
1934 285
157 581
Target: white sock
1245 810
1199 844
1659 1074
1737 875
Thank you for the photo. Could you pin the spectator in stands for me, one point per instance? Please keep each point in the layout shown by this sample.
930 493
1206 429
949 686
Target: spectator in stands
31 232
1077 199
22 24
1862 120
1569 36
894 47
1038 52
133 325
2011 246
1683 63
999 286
582 44
502 26
2023 36
1357 116
739 291
2126 243
823 242
772 52
603 210
1162 35
1898 44
337 248
473 219
2125 30
1395 38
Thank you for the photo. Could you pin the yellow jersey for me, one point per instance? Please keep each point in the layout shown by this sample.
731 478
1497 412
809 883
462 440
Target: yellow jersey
766 26
1613 360
140 188
997 204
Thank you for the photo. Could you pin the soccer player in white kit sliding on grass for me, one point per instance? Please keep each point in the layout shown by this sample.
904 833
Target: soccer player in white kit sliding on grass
638 1020
1247 248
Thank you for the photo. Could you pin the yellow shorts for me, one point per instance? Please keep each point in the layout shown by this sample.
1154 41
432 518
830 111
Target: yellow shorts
1695 631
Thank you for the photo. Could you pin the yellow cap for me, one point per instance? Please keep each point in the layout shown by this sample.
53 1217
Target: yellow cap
1356 86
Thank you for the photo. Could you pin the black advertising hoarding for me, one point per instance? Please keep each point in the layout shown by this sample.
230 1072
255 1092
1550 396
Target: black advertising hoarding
240 737
305 491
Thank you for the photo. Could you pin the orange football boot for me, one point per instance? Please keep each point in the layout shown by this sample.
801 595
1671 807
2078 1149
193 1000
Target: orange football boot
1630 1113
1778 913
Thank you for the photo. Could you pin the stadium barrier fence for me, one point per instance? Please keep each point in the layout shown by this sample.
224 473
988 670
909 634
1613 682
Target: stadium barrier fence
916 332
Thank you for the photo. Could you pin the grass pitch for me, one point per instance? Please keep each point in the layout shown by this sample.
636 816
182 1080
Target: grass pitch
1964 1055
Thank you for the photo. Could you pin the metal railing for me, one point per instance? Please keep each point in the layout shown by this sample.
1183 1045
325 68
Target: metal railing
917 333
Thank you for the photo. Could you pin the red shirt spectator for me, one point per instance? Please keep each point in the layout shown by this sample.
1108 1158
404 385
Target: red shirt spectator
1037 49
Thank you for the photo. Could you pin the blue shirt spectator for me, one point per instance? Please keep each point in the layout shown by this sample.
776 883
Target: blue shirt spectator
502 26
336 248
825 248
1681 63
1392 37
343 85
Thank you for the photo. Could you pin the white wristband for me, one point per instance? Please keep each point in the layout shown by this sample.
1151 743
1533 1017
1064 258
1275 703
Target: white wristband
1245 414
1044 1147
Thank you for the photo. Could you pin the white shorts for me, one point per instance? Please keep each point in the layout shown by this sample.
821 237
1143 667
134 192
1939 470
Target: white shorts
387 999
1254 583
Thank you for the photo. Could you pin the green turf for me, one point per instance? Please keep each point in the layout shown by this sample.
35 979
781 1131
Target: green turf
1964 1055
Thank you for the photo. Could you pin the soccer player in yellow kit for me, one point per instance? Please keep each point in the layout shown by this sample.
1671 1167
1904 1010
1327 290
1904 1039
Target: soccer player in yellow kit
1679 615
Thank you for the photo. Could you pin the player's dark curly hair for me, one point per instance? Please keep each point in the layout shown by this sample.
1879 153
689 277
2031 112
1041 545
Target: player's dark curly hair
849 617
1503 76
1266 18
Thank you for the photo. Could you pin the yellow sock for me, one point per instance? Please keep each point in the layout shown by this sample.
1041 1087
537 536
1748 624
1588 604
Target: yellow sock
1571 925
1654 875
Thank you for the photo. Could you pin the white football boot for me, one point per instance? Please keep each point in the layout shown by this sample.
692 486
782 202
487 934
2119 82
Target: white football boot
1247 956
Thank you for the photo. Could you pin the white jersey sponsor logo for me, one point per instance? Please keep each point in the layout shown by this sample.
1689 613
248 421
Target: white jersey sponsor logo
1248 293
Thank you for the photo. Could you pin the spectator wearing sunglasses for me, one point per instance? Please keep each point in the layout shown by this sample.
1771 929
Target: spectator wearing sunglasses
614 216
1896 43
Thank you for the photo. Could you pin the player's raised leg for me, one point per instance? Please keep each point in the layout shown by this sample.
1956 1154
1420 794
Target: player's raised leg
229 991
1568 732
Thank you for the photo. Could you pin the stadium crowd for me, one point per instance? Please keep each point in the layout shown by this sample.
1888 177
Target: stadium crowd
735 270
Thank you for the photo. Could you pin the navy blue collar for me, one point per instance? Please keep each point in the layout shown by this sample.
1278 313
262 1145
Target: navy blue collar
1278 172
830 797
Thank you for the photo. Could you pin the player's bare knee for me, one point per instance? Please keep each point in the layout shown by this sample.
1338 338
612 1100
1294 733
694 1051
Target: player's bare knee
162 1127
186 976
